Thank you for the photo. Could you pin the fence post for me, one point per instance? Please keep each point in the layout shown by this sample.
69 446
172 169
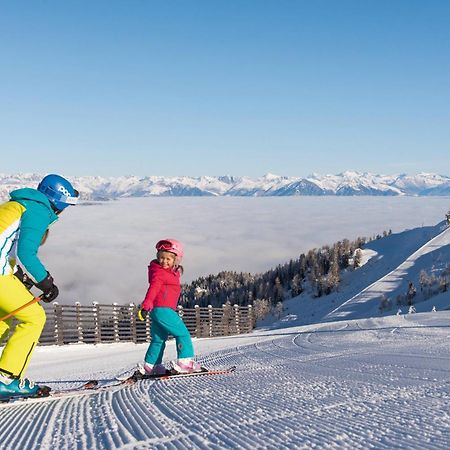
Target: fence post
237 319
97 329
198 331
250 319
133 322
79 322
225 320
116 323
57 310
210 319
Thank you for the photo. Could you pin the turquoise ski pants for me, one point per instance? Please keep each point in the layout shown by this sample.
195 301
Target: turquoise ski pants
165 322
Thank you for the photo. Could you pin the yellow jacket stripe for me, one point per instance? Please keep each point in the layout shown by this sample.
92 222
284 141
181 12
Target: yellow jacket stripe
10 216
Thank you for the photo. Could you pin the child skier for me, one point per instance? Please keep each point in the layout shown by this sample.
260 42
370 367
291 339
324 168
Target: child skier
24 222
161 301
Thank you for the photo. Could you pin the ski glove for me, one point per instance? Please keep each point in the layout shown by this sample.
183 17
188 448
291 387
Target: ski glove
23 277
48 288
142 314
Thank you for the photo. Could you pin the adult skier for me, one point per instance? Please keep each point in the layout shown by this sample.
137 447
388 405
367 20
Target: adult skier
24 223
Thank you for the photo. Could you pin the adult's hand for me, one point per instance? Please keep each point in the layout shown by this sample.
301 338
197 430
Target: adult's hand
49 290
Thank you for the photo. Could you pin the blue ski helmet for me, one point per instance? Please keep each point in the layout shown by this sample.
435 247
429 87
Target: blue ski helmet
59 191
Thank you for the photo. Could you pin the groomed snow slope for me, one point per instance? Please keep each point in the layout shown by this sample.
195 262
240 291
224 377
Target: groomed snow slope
389 264
366 303
367 384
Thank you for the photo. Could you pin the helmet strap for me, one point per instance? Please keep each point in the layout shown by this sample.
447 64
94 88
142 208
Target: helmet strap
55 209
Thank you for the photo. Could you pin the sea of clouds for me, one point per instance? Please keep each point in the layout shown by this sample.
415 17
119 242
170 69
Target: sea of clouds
100 252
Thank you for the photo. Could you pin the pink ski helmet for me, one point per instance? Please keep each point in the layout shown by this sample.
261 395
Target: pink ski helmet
172 246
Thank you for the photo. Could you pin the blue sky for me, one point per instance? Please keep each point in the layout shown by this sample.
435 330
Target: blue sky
213 87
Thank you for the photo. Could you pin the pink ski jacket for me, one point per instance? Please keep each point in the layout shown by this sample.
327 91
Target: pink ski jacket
164 289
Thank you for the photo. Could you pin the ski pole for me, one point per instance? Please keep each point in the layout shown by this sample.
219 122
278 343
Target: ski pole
12 313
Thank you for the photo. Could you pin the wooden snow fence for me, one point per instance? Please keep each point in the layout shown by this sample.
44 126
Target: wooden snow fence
95 324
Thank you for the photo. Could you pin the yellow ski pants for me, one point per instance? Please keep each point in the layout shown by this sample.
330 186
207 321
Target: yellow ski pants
20 346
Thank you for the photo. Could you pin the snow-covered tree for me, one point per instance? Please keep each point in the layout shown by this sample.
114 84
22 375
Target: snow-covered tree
296 285
279 310
261 308
357 258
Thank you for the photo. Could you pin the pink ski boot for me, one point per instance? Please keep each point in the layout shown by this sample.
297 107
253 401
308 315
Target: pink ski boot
186 365
154 370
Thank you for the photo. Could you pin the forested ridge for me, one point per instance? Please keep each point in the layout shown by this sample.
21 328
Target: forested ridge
318 271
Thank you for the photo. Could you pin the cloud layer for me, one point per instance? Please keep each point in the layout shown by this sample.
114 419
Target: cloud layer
100 252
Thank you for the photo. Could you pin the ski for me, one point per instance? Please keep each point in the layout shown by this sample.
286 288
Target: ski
172 374
197 374
88 386
46 392
94 386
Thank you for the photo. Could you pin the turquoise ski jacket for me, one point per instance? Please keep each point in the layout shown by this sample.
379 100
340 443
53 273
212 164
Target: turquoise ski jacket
36 216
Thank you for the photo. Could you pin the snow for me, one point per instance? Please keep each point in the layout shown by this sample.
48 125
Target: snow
388 266
367 255
361 384
396 281
333 373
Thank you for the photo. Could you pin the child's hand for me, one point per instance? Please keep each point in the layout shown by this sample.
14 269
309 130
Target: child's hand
142 314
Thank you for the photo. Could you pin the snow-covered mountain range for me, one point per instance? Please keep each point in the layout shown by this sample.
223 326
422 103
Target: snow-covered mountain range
346 183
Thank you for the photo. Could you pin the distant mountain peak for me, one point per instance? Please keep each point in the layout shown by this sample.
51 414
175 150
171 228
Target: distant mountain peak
271 176
347 183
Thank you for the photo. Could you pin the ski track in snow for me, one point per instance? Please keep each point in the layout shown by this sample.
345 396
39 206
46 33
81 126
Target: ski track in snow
353 385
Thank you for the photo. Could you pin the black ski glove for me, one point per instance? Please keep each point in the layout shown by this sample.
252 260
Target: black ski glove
23 277
49 289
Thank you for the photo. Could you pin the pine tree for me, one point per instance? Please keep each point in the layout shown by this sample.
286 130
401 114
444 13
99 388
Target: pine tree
357 258
296 285
278 293
411 293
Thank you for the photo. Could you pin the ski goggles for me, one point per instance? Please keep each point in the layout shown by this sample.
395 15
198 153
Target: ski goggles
67 199
165 245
